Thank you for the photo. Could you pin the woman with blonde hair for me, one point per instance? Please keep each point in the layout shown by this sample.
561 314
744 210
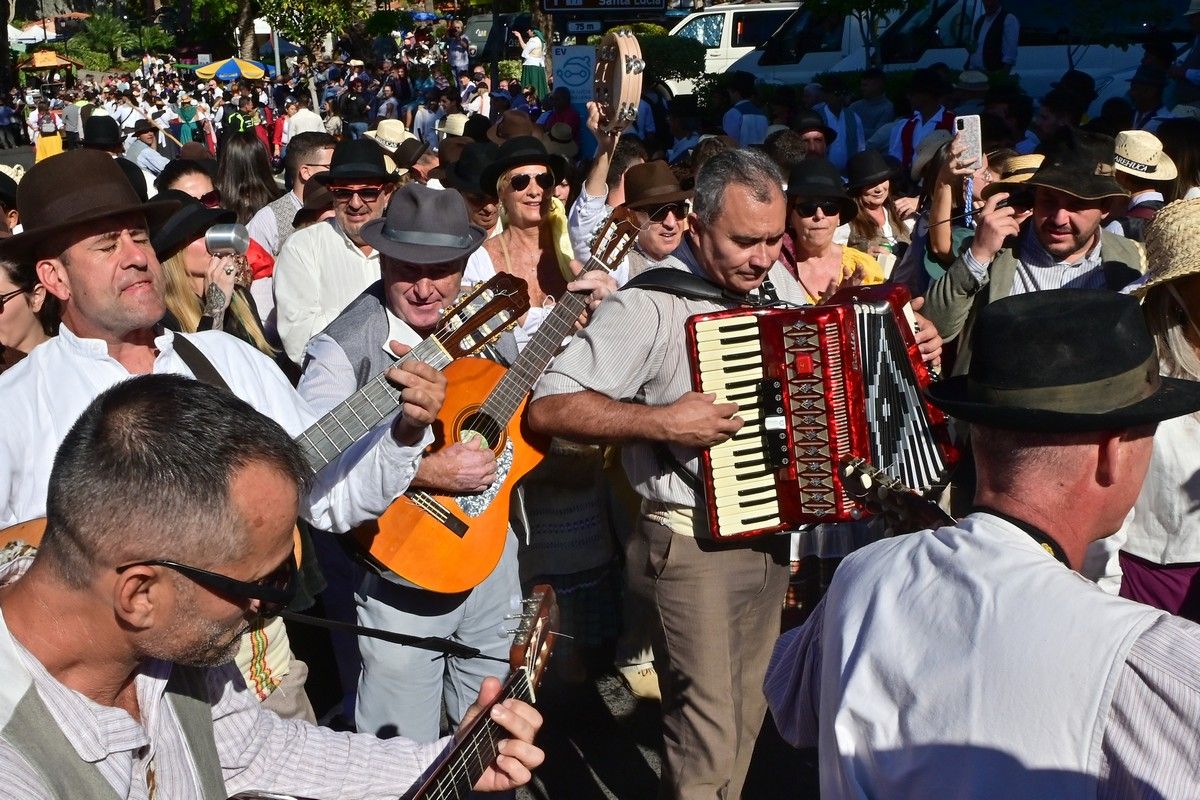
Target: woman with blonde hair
203 291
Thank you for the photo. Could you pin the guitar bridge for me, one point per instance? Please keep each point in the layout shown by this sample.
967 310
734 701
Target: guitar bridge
429 504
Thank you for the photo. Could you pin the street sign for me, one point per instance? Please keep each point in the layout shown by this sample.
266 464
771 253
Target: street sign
551 6
588 26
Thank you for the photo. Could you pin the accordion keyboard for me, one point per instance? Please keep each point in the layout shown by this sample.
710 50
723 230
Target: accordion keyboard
743 477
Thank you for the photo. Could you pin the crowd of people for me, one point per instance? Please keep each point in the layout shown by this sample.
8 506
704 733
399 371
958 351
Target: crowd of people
201 277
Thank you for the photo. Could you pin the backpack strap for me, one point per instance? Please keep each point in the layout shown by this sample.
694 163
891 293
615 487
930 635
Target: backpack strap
198 363
689 286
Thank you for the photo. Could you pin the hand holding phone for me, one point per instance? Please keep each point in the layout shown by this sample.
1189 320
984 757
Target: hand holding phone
967 129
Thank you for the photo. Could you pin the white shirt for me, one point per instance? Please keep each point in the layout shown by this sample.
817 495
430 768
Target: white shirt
924 128
1165 524
47 391
304 121
318 272
264 227
841 148
1008 40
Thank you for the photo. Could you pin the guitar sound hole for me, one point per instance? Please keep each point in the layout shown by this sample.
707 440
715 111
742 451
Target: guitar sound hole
482 425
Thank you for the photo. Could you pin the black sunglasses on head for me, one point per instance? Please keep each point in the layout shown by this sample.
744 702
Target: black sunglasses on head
808 208
273 592
521 182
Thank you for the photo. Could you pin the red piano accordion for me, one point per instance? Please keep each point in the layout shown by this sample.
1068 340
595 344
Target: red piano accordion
815 385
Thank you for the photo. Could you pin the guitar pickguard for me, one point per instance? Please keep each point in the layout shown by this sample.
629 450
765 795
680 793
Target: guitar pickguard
475 504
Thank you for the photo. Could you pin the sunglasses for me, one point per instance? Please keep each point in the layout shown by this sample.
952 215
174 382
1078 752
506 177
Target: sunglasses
520 183
4 298
659 214
367 195
808 208
211 199
274 592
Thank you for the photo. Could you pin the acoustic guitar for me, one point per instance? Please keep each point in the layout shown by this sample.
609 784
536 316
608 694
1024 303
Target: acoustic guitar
478 318
460 767
451 543
617 84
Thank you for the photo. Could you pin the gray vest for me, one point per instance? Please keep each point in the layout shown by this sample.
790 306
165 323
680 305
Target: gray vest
32 732
359 330
285 212
134 149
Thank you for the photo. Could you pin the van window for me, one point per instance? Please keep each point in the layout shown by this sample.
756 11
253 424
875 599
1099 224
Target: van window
752 28
804 32
1071 21
922 28
706 29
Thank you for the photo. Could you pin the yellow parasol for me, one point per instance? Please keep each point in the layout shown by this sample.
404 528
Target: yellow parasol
231 69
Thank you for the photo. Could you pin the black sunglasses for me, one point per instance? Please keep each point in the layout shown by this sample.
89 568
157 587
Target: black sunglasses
274 592
4 298
369 195
211 199
808 208
659 214
520 183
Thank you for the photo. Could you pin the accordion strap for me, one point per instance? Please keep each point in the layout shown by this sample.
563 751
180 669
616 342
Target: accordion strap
687 285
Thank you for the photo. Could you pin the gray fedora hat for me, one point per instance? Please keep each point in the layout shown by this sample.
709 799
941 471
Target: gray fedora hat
424 226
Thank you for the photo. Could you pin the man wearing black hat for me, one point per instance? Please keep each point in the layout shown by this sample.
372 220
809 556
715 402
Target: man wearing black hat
1055 244
462 175
973 661
101 132
322 268
141 147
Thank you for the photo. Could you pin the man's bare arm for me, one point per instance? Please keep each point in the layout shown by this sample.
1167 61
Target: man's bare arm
693 420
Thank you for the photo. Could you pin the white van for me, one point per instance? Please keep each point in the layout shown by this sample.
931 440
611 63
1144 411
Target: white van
730 31
1054 38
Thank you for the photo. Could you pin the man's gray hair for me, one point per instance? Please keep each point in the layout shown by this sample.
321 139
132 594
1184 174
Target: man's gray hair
752 169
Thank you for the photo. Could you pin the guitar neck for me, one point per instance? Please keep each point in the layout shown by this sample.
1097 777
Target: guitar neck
506 398
475 750
351 419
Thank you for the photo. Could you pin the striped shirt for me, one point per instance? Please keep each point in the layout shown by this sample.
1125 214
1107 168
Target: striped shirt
634 349
1037 270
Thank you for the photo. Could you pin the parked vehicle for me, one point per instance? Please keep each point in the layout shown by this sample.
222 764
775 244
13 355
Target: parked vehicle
730 31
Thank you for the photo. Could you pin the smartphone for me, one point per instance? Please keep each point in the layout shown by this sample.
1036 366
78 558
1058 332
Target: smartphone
967 129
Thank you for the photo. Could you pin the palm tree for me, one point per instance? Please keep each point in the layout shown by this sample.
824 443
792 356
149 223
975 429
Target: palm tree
108 34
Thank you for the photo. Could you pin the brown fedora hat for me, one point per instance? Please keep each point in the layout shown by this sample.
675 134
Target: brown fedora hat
652 184
513 123
71 189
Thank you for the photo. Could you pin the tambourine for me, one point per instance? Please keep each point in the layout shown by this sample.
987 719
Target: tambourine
617 88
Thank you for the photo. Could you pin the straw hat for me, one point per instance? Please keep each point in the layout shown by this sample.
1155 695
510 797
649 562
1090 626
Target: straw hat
452 125
1140 153
1013 172
1172 242
559 139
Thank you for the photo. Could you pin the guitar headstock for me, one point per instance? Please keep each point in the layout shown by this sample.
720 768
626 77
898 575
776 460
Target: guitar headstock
903 509
534 640
617 88
613 239
482 314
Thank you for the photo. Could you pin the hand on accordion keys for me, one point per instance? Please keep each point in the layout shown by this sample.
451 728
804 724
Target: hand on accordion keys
929 341
697 420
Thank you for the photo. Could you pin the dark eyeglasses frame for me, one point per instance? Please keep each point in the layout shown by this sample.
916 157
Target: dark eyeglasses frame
273 598
808 208
367 195
211 199
659 214
4 298
520 183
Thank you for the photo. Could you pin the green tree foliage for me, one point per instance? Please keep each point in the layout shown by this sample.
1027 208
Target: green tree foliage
306 22
155 39
671 58
212 20
108 34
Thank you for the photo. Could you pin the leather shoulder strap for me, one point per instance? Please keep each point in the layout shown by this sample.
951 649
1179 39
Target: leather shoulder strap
198 363
686 285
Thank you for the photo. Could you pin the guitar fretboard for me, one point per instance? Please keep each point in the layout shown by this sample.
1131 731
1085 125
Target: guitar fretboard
453 778
326 438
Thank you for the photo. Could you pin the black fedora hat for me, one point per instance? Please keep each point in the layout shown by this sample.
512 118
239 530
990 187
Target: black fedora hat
809 121
867 169
424 226
1064 360
518 152
189 221
818 179
463 173
356 160
101 131
73 188
144 126
1079 163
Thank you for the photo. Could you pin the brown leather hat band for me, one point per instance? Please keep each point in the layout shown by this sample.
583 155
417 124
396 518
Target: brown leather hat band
1094 397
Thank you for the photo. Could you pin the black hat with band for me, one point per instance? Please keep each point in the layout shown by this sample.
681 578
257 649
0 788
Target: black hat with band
1064 360
424 226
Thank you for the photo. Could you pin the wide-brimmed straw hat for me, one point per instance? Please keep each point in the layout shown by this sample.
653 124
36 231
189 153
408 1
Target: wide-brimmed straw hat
653 185
1080 164
424 226
1141 153
1172 243
1062 361
560 140
390 134
818 179
1014 173
453 124
517 153
69 190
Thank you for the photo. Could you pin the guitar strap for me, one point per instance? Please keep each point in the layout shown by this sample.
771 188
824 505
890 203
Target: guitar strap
198 363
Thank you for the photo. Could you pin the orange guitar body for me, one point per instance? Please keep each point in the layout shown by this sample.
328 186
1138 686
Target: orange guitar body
455 553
